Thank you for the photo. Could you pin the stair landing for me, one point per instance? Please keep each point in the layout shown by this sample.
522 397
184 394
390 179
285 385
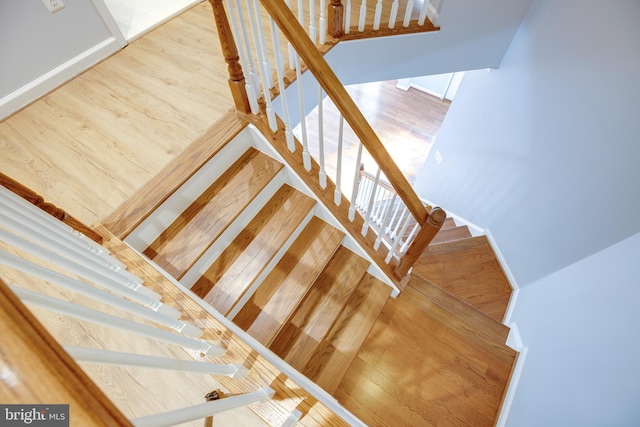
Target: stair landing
468 269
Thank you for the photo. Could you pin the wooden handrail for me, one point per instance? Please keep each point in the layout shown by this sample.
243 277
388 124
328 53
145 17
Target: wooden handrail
422 240
36 370
230 52
332 86
34 198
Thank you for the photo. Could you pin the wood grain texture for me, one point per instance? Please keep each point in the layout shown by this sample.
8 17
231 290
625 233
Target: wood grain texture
275 300
233 272
178 247
337 350
287 23
289 395
300 337
36 370
413 369
469 270
451 233
476 321
341 211
126 217
89 145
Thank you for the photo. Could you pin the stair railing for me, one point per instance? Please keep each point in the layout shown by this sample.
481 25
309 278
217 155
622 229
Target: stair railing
288 35
53 266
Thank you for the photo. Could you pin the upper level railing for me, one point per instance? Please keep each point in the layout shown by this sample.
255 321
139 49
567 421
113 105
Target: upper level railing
261 84
53 269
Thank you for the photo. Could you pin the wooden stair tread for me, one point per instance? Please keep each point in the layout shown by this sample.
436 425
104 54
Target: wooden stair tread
336 352
261 372
468 269
477 320
183 242
451 233
279 294
136 208
233 272
324 302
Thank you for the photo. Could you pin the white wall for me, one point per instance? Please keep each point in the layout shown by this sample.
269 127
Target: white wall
544 151
580 325
38 48
473 35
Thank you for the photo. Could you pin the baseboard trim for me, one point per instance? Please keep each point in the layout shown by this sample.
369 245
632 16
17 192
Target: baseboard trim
50 81
514 342
510 277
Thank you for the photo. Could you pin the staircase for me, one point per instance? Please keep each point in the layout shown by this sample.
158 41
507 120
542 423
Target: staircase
246 236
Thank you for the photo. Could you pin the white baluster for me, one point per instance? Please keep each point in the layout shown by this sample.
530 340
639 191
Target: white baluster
203 410
306 156
363 15
312 23
263 45
115 322
397 241
252 84
292 419
323 172
265 67
275 37
102 276
83 288
380 202
385 222
394 14
365 226
377 16
291 51
38 234
347 17
423 12
356 182
18 207
337 195
104 357
389 230
34 231
395 234
408 240
323 21
407 13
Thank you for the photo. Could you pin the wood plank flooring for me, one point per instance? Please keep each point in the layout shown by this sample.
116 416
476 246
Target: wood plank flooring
233 272
264 315
469 270
406 122
180 245
89 145
415 370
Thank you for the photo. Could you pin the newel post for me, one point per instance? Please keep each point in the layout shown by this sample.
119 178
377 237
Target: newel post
428 231
335 26
230 52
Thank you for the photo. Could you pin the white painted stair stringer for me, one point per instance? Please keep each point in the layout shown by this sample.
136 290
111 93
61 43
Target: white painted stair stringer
260 143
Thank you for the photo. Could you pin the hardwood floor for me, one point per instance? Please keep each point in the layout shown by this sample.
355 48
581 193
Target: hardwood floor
416 370
89 145
406 122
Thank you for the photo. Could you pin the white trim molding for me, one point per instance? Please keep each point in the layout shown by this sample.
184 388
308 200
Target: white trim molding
514 341
56 77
